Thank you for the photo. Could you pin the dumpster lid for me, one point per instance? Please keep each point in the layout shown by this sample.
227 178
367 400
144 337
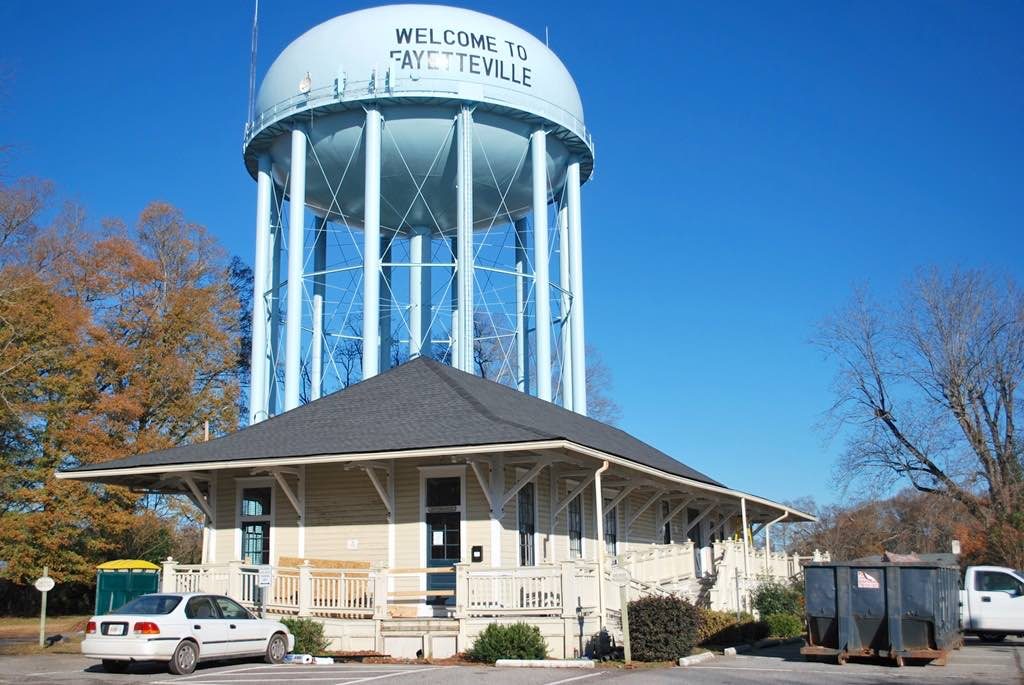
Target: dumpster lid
128 564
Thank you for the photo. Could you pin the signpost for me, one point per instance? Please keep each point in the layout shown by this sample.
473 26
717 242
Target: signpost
621 577
44 584
264 579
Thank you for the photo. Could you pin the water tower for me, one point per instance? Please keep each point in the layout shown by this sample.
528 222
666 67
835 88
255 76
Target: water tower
418 174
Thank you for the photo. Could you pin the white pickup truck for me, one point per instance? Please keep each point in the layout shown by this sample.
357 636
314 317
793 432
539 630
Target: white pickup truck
992 602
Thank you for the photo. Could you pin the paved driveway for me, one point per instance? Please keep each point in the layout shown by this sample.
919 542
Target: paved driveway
975 663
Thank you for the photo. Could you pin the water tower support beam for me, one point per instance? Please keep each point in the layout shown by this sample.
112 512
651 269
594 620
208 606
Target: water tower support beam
386 299
464 236
258 363
579 355
522 309
419 291
539 157
274 302
371 246
565 288
316 353
296 252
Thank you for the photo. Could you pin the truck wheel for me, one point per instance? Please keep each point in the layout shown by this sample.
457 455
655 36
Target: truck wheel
115 666
276 649
184 659
992 637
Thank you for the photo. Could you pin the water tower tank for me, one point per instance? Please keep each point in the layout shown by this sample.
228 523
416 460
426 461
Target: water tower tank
418 173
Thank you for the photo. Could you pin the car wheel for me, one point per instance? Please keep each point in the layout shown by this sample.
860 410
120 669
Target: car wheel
115 666
185 658
276 649
992 637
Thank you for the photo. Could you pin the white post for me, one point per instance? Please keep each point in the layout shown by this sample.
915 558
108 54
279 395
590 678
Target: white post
746 545
464 236
522 309
541 288
599 511
258 361
305 588
419 291
371 246
296 252
565 328
319 291
168 582
579 355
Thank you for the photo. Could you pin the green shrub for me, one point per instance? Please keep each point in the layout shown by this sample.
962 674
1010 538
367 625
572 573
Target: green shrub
712 623
662 628
774 597
784 625
514 641
722 628
309 635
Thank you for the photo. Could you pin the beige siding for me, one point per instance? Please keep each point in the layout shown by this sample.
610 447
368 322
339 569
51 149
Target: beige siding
343 510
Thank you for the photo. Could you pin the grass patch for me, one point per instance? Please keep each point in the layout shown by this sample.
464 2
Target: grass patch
29 627
73 646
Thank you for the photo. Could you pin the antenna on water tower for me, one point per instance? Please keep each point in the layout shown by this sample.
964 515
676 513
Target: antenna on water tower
252 63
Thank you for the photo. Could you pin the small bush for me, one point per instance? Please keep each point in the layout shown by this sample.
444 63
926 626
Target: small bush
712 623
514 641
662 628
774 597
784 625
309 635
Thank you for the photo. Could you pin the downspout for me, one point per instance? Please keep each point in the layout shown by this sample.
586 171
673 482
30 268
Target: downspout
746 547
599 510
768 544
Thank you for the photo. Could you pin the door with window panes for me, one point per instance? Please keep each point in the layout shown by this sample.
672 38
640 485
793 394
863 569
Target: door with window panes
444 542
254 520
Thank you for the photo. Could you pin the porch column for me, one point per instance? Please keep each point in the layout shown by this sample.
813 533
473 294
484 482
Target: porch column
746 550
599 511
498 511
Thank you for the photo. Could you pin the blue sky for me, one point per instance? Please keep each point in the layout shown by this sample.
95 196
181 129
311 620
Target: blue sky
755 162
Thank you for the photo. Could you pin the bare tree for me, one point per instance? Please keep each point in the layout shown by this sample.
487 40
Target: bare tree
927 393
600 404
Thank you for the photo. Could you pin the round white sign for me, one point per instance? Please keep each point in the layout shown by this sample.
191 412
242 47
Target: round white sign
620 576
45 584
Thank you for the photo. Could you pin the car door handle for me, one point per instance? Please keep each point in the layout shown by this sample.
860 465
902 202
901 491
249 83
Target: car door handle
233 626
198 627
986 599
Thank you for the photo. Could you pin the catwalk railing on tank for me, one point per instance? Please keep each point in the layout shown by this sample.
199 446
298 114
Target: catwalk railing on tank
391 86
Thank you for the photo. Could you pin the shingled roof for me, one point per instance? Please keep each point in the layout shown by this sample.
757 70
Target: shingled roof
420 404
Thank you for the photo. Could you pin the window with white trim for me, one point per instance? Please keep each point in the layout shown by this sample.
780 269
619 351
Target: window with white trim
526 525
254 521
575 524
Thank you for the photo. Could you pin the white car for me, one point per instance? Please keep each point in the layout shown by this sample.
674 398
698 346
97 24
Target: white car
183 629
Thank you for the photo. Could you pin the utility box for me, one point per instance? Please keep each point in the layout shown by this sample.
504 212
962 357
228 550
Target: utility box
118 582
895 610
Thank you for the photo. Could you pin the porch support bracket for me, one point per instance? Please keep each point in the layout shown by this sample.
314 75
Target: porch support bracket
196 495
623 494
700 517
675 512
644 507
576 492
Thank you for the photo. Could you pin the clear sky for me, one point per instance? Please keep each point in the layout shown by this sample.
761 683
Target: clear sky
755 161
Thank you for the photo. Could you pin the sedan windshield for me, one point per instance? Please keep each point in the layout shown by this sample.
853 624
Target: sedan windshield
150 604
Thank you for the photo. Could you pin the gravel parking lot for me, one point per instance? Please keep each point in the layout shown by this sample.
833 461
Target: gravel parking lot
975 663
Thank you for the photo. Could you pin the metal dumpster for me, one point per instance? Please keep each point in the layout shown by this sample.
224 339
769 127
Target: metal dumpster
905 610
118 582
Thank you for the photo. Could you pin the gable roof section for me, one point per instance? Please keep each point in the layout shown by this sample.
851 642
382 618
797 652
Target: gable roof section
420 404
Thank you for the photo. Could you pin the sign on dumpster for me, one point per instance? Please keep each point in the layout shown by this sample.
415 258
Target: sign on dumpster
868 581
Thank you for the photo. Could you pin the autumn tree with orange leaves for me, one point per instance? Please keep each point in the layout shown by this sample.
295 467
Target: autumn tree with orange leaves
113 341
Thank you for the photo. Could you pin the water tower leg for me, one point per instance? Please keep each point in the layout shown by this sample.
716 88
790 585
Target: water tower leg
371 246
464 235
386 301
419 291
579 355
453 348
522 309
538 150
274 302
296 252
316 353
564 328
258 362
